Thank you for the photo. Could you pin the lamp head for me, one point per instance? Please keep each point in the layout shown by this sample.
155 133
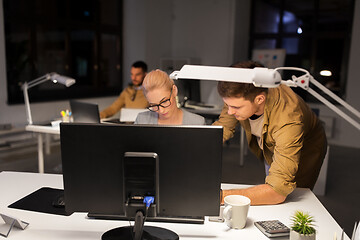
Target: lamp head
266 78
56 78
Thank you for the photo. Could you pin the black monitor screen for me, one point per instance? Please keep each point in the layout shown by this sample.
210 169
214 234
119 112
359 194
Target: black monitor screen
188 90
107 169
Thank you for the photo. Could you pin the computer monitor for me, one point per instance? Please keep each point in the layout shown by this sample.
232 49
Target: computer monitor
84 112
107 168
189 90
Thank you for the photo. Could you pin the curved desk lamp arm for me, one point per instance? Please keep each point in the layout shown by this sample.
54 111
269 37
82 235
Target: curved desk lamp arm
303 82
268 78
27 103
25 88
49 76
39 80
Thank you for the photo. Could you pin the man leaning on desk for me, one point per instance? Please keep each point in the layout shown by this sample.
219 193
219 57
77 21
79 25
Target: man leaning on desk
281 130
132 96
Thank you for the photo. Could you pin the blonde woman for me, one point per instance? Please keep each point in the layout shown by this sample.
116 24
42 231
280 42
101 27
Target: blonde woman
160 91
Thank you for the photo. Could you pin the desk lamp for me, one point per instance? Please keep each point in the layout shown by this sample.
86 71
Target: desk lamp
54 77
267 78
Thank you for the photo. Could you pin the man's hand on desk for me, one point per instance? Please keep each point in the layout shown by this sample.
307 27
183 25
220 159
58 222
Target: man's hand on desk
259 195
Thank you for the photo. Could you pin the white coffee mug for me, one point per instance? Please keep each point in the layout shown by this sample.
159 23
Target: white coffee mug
236 211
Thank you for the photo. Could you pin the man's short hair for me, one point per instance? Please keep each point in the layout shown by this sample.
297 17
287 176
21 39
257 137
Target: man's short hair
245 90
140 64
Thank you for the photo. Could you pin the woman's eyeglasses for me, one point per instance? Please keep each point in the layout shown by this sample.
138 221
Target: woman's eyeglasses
164 104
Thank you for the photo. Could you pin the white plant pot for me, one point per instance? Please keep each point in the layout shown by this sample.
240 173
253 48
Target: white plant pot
297 236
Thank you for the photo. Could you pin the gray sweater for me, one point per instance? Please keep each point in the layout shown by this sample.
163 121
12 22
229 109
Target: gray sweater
152 118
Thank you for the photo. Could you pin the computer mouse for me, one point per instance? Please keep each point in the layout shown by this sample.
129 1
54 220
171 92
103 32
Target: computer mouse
59 202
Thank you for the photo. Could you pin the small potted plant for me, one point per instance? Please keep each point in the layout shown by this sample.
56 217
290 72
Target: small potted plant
302 227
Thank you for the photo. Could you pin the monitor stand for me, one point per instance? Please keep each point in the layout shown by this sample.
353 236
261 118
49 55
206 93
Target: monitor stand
139 232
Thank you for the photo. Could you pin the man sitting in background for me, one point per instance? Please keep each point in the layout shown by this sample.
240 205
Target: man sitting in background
132 96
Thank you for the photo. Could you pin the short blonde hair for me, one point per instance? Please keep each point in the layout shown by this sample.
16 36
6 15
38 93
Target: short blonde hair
157 79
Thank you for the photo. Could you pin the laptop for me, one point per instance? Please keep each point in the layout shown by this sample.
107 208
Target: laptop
130 114
83 112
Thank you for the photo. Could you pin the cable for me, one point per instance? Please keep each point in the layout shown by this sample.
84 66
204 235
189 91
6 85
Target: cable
148 200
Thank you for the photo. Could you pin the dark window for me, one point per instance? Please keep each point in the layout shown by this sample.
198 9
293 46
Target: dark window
315 33
81 39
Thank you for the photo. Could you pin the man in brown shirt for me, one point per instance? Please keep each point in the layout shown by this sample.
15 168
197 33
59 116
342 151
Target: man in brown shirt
132 96
281 129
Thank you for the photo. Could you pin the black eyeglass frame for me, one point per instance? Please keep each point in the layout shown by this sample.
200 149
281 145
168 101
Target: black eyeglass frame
157 106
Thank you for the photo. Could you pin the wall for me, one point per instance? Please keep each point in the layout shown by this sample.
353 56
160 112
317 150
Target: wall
134 34
147 33
353 82
242 29
159 40
205 32
201 30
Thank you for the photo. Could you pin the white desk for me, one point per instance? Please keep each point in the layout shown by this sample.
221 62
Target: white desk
40 130
14 186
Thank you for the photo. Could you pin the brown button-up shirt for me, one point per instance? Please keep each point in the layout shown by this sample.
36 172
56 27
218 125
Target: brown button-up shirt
129 98
294 141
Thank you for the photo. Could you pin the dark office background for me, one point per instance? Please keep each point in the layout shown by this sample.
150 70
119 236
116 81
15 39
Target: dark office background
315 33
83 39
